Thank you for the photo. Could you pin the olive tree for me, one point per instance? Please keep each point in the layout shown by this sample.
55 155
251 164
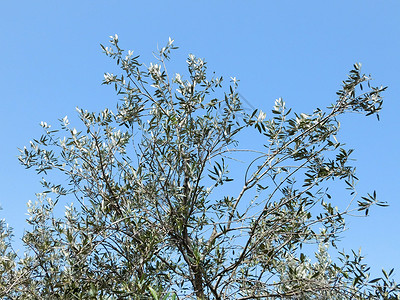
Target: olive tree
151 210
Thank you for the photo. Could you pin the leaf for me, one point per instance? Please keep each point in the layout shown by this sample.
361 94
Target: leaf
166 296
315 275
385 274
153 293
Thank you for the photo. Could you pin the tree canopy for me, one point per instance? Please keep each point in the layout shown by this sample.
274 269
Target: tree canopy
157 214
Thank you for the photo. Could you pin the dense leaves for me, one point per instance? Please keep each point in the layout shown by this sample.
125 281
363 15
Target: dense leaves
168 204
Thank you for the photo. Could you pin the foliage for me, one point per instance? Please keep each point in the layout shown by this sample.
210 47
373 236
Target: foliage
156 213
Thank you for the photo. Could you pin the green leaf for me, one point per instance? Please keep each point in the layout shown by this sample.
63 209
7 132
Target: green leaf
153 293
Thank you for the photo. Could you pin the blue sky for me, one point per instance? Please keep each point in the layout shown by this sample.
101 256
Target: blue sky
51 62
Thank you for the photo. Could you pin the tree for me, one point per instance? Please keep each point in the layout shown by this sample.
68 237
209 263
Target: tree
157 215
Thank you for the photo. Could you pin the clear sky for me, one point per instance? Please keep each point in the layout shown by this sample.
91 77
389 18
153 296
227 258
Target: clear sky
51 62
